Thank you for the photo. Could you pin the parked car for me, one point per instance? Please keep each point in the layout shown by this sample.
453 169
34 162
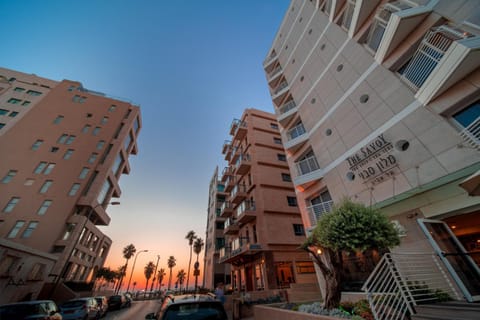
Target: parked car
117 301
189 307
37 309
129 298
102 302
80 308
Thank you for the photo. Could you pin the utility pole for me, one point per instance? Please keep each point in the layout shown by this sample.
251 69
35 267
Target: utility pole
155 273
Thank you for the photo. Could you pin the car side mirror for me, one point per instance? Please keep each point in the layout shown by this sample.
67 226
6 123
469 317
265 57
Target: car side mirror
150 316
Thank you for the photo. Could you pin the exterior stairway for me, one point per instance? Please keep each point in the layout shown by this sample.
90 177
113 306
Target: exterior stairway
303 292
448 311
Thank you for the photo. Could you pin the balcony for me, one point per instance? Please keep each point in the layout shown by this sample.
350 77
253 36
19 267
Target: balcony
230 183
317 210
241 248
226 173
239 193
272 57
227 149
236 151
230 227
246 212
238 129
224 254
280 92
471 134
226 209
296 137
308 170
278 70
243 164
286 112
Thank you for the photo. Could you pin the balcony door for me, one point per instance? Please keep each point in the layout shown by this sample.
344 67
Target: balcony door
457 260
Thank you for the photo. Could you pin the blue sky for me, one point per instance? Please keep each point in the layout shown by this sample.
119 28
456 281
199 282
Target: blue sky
192 66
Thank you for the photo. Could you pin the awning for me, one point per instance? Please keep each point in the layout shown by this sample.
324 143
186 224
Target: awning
472 184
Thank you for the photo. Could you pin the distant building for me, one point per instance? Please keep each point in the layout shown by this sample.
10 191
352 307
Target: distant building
215 272
263 228
378 101
63 149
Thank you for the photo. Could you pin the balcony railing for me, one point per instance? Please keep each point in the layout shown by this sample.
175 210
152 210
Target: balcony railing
287 107
471 134
226 208
296 131
239 192
282 86
315 211
307 165
275 72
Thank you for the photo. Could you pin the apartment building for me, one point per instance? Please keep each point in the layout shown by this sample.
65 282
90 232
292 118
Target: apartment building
263 228
379 102
63 150
215 272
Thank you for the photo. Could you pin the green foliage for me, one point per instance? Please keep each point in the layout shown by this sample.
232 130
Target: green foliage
353 226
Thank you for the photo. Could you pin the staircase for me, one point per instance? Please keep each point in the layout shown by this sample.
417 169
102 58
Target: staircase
303 292
447 311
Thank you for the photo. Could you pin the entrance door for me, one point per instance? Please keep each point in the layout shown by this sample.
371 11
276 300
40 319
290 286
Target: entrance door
457 260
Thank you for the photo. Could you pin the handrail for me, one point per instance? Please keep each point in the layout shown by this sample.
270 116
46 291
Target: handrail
471 134
296 131
317 210
307 165
287 106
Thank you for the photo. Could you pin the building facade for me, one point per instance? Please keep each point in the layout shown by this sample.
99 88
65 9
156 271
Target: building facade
63 150
263 228
379 102
215 272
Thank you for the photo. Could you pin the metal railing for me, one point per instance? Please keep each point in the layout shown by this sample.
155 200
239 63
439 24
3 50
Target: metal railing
239 188
282 86
287 107
229 222
401 281
247 205
316 210
226 205
471 134
275 72
307 165
244 157
296 131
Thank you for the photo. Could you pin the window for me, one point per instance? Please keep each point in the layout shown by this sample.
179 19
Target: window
28 231
70 140
37 144
107 186
281 157
14 101
112 108
305 267
11 204
49 168
96 131
18 225
273 125
3 112
68 154
44 207
29 182
2 125
54 149
118 162
292 201
348 14
86 128
13 114
69 229
298 229
100 144
40 167
33 93
36 273
74 189
468 115
9 176
62 138
83 173
46 185
93 157
277 140
18 89
25 103
104 120
286 177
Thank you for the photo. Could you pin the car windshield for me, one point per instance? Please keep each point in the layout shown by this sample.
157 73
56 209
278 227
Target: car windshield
20 311
73 304
115 298
195 311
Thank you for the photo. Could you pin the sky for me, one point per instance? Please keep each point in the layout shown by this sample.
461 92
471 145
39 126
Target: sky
192 66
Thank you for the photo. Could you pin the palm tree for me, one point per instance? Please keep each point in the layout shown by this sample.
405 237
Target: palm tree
181 277
128 252
118 275
148 271
197 248
190 236
171 263
160 274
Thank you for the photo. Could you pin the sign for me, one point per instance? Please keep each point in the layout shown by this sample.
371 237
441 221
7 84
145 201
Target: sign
196 272
374 162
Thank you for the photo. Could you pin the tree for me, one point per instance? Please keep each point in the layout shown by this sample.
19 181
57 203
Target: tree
148 271
118 275
197 248
348 227
128 252
160 275
181 278
190 237
171 263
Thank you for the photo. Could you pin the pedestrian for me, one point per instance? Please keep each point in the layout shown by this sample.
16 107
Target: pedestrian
219 293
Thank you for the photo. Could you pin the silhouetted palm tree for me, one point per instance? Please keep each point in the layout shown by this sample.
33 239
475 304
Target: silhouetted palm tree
171 263
190 237
118 275
197 248
181 278
148 271
160 275
128 252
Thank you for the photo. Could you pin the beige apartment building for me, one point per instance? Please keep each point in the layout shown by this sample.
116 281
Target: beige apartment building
379 102
63 150
263 228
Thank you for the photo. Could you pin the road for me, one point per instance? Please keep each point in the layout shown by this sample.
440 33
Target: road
137 311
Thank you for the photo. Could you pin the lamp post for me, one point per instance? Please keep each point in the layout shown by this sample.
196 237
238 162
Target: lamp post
133 267
75 243
155 273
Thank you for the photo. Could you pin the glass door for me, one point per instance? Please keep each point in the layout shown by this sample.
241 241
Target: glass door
457 260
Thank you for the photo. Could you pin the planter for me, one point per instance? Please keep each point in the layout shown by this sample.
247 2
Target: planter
271 312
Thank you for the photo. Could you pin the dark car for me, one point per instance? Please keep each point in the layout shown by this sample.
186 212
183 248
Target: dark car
81 309
190 307
102 305
129 298
31 310
117 301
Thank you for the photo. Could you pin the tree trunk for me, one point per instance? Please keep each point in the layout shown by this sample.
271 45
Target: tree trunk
333 290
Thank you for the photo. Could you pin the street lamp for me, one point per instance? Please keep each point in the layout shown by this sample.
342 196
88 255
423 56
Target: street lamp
133 267
75 243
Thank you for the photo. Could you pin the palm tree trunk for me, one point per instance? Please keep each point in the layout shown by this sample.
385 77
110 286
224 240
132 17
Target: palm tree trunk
189 265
